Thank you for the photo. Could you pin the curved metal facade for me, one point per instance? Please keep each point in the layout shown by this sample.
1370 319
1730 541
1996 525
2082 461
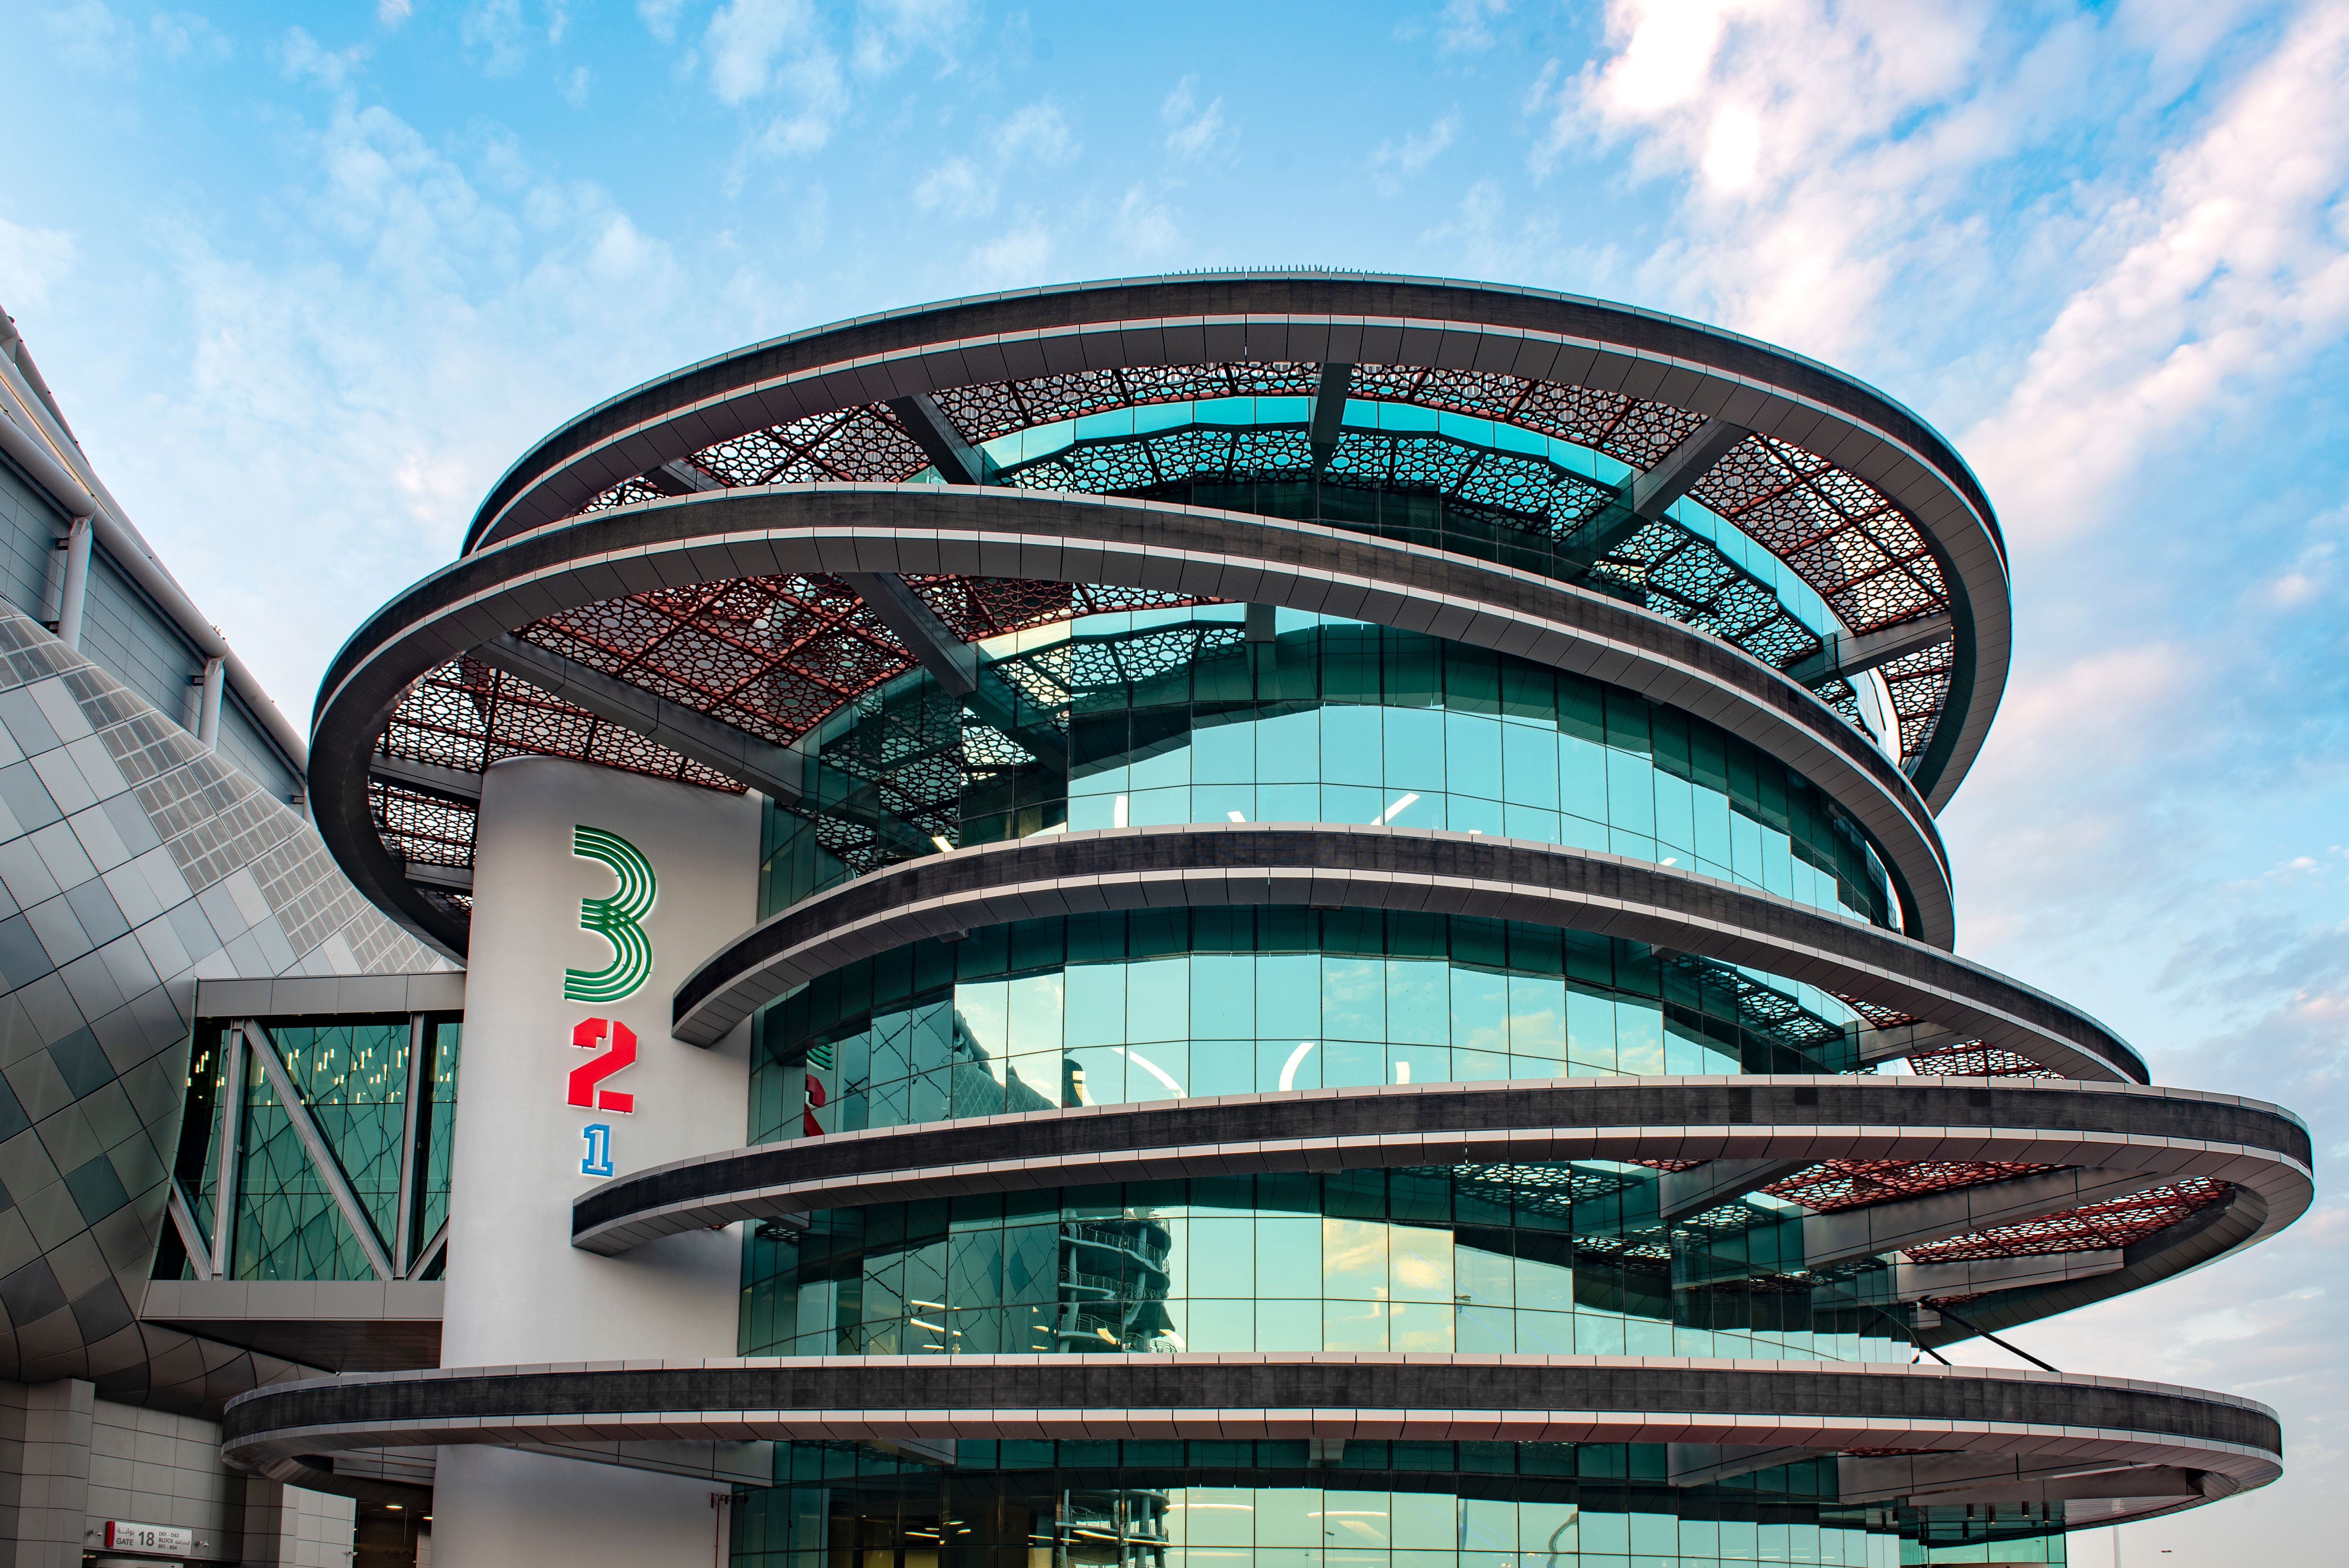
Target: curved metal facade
966 592
134 863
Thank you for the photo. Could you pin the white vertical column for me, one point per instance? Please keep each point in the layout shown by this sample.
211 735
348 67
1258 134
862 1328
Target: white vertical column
74 592
518 1292
208 710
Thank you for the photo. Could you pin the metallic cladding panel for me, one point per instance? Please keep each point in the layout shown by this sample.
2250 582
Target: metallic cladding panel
160 864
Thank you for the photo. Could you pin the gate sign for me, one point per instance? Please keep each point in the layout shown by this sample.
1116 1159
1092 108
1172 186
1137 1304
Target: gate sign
122 1535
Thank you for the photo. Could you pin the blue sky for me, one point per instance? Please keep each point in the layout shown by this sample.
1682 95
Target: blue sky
307 278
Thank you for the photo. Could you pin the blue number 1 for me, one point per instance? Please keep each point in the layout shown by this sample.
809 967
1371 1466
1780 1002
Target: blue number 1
599 1151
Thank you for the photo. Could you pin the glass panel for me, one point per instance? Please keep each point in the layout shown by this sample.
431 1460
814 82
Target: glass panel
1171 1504
1229 1011
1172 716
1535 1259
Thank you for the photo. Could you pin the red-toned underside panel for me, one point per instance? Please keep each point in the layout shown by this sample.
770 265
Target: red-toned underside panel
466 716
1837 1184
2094 1228
770 656
775 656
1858 550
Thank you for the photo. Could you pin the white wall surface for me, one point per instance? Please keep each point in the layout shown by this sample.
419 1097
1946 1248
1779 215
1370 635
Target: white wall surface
518 1291
156 1468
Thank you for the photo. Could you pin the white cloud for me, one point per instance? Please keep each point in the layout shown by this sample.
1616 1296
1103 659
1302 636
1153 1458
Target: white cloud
1146 228
357 390
1483 239
1014 258
184 35
659 17
1037 136
1191 131
889 32
89 33
1462 29
2233 269
744 40
494 29
956 188
575 84
392 12
32 261
760 46
303 57
1816 145
1413 151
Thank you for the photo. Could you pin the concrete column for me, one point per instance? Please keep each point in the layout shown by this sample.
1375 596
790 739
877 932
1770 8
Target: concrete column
518 1291
52 1482
75 592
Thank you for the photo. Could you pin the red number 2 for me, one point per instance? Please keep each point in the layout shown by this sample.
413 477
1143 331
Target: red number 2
587 1035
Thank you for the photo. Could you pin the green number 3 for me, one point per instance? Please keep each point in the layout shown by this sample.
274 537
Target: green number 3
616 919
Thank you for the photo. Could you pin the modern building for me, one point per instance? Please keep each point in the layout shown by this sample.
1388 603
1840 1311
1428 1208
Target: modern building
154 846
1276 918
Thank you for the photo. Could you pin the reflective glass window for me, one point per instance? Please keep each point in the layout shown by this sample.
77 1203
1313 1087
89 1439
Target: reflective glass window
1167 716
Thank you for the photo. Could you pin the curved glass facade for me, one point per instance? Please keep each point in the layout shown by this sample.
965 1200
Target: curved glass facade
1356 1504
1115 1008
1175 715
1549 1259
1199 715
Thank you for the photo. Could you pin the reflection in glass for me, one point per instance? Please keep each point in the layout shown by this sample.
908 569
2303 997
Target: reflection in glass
1172 716
1131 1009
1559 1259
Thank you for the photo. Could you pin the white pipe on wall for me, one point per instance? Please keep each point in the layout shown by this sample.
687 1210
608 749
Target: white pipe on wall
76 591
208 714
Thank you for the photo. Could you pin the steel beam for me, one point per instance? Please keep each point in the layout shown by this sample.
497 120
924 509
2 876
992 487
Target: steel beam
314 1144
1651 494
228 1130
430 1252
431 777
958 462
1682 466
419 1034
1905 1040
1974 1276
451 878
1329 412
1684 1193
1849 655
771 769
690 477
191 1235
1852 1233
955 663
931 641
